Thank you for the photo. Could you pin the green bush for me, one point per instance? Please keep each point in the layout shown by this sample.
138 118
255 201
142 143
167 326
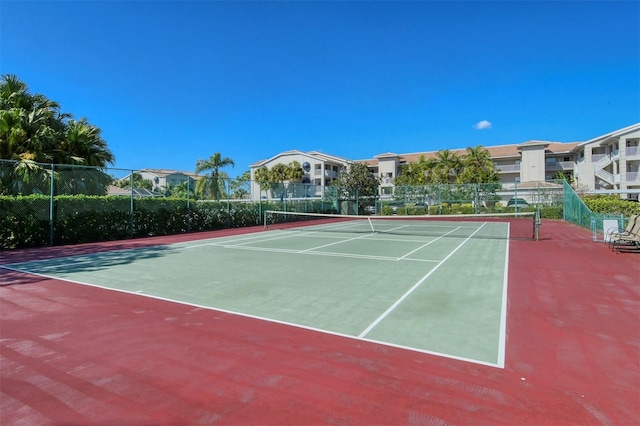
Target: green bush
25 220
466 209
611 205
551 212
386 210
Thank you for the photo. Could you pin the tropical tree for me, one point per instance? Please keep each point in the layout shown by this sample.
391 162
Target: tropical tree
212 184
138 182
413 173
477 167
444 168
239 187
281 176
564 175
182 190
33 131
262 176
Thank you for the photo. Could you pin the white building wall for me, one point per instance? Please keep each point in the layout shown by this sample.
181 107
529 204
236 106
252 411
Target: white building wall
532 166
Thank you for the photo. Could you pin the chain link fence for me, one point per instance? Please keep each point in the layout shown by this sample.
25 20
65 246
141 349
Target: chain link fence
50 204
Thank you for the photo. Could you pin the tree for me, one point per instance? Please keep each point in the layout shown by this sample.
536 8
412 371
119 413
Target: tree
262 176
444 168
413 173
138 182
33 131
212 186
279 176
239 187
357 181
181 190
564 175
477 167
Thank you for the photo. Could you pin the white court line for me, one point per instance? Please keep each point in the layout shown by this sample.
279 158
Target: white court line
502 338
325 253
223 239
416 285
430 242
256 317
336 242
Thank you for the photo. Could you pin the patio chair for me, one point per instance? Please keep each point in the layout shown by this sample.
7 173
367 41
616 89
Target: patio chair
628 241
612 234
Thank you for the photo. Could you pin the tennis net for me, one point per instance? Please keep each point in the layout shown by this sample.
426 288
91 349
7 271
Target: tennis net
523 226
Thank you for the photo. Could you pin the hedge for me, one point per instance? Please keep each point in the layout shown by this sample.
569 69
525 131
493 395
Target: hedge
25 220
611 205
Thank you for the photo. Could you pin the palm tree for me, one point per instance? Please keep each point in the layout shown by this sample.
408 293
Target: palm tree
214 163
263 177
33 130
478 167
445 167
83 144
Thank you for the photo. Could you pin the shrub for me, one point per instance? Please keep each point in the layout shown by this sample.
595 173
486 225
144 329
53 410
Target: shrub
386 210
611 205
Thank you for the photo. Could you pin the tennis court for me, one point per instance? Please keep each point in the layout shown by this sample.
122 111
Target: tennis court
330 323
434 286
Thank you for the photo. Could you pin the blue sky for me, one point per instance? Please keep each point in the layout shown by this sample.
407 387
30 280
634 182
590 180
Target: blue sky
172 82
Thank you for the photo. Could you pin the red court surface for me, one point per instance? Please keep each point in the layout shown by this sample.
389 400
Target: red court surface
75 354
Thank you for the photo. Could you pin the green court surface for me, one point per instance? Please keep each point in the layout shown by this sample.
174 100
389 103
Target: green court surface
441 292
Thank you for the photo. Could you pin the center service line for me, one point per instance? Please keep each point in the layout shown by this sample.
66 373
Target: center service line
416 285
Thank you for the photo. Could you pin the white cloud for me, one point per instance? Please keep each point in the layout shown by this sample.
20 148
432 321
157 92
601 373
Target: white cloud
484 124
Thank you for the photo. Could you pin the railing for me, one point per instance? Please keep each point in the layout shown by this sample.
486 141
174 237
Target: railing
605 175
632 151
601 160
328 173
562 165
508 168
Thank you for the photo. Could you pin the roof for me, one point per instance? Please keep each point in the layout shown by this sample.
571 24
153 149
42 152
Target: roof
500 151
313 154
167 172
616 133
126 192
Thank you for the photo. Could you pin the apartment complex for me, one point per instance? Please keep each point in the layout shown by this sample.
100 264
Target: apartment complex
319 170
162 179
610 162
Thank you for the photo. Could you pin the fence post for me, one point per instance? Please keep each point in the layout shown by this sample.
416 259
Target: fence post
51 205
131 205
475 198
188 204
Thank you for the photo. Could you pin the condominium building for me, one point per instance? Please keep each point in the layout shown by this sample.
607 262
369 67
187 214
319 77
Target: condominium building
319 170
610 162
162 179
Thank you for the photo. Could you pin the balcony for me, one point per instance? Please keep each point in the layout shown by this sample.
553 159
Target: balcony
327 173
633 151
508 168
561 165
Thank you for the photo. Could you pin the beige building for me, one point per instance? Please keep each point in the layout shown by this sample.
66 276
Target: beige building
163 179
609 163
319 170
